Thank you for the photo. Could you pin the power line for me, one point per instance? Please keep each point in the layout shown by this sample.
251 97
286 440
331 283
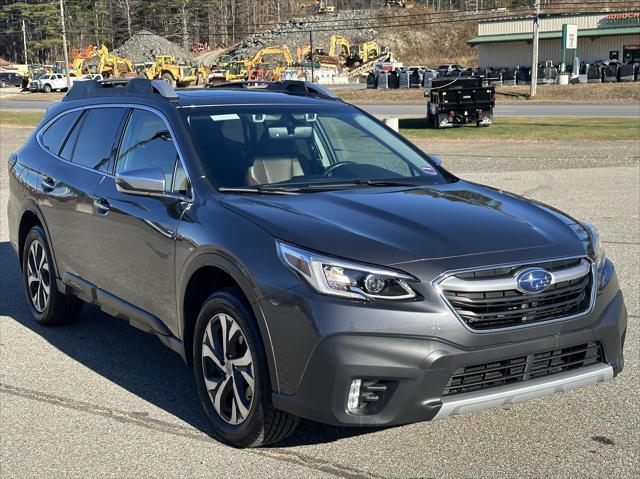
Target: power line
374 22
460 15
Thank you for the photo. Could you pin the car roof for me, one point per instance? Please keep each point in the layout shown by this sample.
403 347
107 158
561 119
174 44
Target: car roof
213 96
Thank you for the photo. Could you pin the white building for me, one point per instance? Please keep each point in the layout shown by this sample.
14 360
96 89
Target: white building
601 36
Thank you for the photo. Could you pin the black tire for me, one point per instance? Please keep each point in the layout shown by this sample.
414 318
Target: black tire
169 79
47 88
59 308
263 424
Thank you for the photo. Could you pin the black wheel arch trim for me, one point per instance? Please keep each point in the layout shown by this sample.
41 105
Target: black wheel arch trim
248 287
33 208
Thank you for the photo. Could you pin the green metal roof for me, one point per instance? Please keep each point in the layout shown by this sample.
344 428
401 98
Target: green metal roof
521 37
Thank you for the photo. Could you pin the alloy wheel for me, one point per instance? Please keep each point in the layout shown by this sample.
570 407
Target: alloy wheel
227 366
38 277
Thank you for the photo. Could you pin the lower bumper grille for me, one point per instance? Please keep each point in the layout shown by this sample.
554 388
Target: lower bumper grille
522 368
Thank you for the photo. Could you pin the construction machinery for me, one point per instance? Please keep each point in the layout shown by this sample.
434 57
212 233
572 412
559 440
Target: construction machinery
303 53
318 7
98 60
339 41
200 48
399 3
237 70
364 53
201 72
165 67
269 63
224 60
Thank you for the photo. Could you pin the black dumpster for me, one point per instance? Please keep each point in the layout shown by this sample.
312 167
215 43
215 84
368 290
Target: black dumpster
372 80
611 72
393 80
626 72
594 73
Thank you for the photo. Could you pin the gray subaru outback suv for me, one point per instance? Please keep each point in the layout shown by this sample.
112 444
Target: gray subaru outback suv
304 259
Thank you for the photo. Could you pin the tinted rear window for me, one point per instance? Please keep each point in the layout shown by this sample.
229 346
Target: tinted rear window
56 133
94 148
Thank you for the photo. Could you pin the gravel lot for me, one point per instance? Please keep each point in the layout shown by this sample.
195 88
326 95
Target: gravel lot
101 399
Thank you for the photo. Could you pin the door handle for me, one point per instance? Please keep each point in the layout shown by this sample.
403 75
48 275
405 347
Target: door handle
102 206
48 184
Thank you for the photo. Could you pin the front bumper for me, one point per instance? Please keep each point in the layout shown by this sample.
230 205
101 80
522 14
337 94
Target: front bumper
418 370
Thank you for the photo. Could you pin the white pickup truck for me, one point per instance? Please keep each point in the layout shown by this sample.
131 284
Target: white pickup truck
49 82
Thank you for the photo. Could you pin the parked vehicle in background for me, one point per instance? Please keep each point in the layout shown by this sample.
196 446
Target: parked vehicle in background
90 76
304 259
449 68
458 101
49 82
10 79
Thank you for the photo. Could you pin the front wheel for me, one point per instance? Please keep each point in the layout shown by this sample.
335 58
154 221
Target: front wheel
49 306
47 88
232 375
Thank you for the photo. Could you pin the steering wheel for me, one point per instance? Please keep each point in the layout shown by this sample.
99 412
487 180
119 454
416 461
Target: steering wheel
329 171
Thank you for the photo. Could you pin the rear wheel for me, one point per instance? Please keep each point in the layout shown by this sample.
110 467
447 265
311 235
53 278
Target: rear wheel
49 306
169 79
232 375
3 84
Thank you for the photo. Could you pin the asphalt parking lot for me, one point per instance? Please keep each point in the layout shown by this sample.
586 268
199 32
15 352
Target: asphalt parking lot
101 399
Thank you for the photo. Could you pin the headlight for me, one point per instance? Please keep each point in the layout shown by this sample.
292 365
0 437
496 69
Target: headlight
604 267
346 279
598 252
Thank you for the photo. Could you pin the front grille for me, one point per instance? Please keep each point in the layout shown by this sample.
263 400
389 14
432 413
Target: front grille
482 310
522 368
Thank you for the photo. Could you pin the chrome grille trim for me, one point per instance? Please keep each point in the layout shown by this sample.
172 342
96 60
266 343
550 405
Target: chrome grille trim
440 280
452 283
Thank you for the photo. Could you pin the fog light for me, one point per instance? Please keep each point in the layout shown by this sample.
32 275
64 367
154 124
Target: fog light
354 395
374 284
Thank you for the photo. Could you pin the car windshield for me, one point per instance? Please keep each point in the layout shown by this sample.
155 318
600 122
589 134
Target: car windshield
268 147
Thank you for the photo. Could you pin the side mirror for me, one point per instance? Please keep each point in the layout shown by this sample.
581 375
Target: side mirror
141 181
436 160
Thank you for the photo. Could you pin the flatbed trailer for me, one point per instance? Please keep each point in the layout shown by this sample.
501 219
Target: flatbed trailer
459 101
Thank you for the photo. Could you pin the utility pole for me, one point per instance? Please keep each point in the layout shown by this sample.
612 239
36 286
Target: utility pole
24 41
536 39
64 44
313 73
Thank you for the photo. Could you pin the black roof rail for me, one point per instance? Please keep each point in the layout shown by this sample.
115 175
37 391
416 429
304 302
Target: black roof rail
293 87
116 87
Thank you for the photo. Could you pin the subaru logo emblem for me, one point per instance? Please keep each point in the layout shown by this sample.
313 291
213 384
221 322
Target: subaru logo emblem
533 280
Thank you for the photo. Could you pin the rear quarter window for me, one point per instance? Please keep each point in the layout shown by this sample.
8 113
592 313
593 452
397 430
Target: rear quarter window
53 137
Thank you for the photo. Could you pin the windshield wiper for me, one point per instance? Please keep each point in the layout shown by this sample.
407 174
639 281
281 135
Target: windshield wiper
358 182
257 190
386 183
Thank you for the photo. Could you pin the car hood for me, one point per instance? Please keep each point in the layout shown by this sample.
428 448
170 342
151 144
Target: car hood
394 225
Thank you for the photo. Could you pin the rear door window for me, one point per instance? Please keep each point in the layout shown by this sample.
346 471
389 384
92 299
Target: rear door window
54 136
97 138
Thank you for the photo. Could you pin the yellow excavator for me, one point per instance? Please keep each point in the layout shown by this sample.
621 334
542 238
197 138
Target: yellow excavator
269 63
104 63
339 41
365 52
97 60
318 7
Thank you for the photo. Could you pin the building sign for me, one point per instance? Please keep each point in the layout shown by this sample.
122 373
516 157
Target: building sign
616 19
570 36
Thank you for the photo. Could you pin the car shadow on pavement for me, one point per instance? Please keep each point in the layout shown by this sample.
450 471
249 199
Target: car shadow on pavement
133 360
